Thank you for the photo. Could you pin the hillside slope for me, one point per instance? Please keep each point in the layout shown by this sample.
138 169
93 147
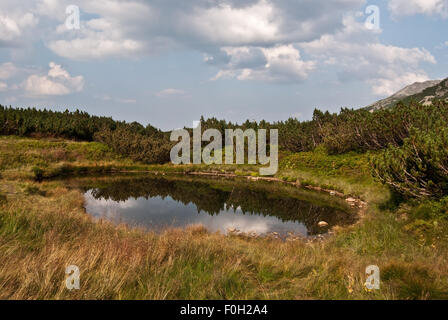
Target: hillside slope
423 92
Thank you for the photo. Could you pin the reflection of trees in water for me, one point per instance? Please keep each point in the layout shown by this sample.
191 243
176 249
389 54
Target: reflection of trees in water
288 209
205 198
212 200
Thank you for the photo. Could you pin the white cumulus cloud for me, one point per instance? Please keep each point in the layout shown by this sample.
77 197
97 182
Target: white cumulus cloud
412 7
57 82
263 40
392 81
132 28
357 55
280 64
226 24
7 70
13 25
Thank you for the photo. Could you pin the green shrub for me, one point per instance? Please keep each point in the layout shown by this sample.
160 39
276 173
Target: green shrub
138 147
38 173
33 190
419 168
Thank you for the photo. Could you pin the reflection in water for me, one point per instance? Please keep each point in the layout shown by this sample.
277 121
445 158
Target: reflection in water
157 203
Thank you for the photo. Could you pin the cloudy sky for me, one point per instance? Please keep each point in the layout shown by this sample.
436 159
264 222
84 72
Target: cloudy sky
167 62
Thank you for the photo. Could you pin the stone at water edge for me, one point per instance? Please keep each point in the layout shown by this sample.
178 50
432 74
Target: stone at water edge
253 234
323 224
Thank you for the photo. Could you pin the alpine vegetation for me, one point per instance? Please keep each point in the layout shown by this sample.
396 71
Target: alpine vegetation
233 152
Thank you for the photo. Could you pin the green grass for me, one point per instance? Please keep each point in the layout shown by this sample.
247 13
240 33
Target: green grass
52 158
40 235
347 173
44 228
16 152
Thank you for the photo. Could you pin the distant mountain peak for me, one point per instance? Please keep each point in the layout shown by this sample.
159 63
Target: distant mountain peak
415 88
423 92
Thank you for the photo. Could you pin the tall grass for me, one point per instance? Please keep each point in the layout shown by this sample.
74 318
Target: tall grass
44 232
44 228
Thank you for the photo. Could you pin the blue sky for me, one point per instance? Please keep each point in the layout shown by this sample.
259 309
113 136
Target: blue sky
167 62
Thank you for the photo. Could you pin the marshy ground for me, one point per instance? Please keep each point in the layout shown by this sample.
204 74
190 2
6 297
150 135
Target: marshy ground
44 228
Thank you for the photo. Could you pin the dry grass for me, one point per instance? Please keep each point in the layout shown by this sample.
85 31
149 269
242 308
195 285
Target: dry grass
44 228
41 235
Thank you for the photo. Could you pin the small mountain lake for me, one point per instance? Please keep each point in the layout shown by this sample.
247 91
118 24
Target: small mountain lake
219 204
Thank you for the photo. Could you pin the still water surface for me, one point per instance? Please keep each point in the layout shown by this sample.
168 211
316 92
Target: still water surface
220 205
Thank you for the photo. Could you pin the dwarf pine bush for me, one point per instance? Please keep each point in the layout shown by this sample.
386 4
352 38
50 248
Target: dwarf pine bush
419 168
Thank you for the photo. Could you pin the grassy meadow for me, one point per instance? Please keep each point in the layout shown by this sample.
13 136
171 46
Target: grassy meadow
44 228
